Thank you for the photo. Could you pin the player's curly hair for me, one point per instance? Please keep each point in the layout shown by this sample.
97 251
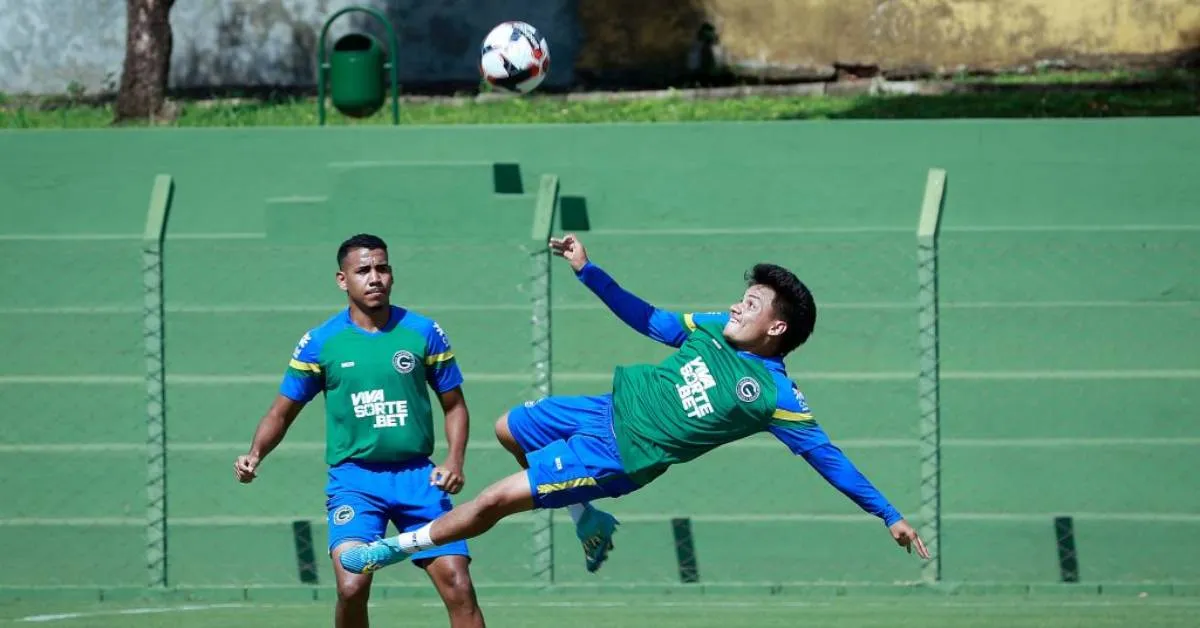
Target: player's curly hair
359 241
793 303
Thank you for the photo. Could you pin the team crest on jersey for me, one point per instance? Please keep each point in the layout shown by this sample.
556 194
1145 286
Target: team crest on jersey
748 389
342 515
404 361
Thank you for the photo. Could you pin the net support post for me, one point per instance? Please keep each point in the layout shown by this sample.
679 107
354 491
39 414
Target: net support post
153 334
928 374
540 258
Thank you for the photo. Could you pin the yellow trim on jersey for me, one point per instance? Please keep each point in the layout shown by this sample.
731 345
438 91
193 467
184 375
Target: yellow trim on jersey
439 357
788 415
689 321
305 366
543 489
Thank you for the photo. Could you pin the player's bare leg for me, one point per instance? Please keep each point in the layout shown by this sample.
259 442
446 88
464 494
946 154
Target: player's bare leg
506 497
467 520
452 578
593 526
353 591
508 442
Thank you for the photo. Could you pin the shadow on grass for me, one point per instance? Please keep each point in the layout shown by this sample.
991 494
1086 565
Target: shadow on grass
1024 104
1171 89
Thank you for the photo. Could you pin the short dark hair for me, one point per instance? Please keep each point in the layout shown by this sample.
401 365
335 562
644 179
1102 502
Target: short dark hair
359 241
793 303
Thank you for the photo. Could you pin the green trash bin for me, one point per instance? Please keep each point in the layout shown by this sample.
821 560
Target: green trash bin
356 82
353 80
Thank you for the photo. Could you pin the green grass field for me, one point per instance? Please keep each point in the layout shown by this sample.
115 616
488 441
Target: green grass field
303 112
645 611
1035 95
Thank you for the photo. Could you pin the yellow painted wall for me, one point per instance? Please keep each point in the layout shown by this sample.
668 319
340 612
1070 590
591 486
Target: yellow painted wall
940 35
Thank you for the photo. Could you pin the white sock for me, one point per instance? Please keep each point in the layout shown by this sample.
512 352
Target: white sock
416 541
577 511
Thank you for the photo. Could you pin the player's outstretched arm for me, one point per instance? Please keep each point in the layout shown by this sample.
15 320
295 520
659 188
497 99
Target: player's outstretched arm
807 440
836 468
270 432
660 325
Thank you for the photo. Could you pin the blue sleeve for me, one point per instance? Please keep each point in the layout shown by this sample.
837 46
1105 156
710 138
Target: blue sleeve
793 423
794 426
669 328
303 379
837 469
441 367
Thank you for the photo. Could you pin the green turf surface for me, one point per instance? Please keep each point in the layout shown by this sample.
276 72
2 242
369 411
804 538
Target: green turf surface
1066 306
636 611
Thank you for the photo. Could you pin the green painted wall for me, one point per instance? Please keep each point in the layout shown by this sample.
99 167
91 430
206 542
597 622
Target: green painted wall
1070 303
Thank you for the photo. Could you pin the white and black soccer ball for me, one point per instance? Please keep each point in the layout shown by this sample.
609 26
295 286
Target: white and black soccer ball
515 57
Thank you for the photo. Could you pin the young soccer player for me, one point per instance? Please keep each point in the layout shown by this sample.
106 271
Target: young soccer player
373 361
726 381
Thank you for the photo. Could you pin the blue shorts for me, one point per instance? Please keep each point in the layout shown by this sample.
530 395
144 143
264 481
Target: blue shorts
364 496
571 449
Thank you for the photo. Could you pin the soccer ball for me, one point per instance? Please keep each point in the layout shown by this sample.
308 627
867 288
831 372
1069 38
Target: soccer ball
515 57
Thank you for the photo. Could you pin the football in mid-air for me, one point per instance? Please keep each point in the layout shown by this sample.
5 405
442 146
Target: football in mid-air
515 57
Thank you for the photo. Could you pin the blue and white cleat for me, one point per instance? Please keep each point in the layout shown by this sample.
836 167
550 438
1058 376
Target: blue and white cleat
372 557
595 530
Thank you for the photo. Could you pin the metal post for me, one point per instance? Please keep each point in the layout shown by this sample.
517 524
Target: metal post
928 377
153 332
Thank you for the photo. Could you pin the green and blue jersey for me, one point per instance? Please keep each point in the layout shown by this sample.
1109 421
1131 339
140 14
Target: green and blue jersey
708 394
376 384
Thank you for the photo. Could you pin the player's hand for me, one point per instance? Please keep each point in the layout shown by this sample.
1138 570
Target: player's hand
448 477
245 468
570 249
906 537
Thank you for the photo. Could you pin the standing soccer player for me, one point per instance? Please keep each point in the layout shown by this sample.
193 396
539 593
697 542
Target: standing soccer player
373 361
726 381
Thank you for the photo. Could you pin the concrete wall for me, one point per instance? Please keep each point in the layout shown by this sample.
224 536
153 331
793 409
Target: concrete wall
47 46
806 38
943 35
